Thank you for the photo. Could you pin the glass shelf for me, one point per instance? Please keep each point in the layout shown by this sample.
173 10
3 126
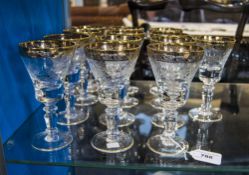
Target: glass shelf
230 137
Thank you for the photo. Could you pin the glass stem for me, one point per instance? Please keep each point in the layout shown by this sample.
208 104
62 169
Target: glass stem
112 121
124 92
84 83
169 123
50 116
70 99
207 97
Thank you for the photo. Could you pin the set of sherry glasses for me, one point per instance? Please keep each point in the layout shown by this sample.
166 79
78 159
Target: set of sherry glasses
110 54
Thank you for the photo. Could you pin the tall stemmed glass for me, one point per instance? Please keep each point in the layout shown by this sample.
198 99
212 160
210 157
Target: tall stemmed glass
174 66
47 63
129 101
159 118
162 31
125 118
111 63
72 115
217 51
84 98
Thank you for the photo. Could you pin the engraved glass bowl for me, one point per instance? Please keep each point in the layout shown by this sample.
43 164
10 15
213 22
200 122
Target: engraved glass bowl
174 66
47 63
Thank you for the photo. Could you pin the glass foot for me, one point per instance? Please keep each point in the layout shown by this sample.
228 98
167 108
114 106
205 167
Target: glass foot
90 99
42 143
158 121
154 90
102 143
167 146
133 90
125 119
130 102
214 116
76 118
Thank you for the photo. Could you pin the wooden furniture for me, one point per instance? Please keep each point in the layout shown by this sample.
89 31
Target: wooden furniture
111 15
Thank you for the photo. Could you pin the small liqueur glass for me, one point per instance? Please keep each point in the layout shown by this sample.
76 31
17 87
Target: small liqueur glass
174 66
72 115
111 63
47 63
217 51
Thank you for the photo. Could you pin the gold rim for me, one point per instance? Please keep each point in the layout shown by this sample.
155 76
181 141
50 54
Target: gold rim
89 27
40 48
89 31
112 47
166 30
120 37
176 49
187 39
125 30
212 39
74 37
140 35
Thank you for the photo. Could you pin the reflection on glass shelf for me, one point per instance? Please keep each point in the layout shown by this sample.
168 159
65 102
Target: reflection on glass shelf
230 137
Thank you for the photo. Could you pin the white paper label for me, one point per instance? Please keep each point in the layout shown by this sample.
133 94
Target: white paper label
206 156
112 145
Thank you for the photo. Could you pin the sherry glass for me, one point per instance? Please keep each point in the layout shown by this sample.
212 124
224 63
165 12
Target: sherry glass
92 84
128 31
126 37
217 51
125 118
47 63
84 98
174 66
72 115
159 118
111 63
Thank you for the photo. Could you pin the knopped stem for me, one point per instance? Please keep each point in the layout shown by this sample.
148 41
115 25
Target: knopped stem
207 97
50 120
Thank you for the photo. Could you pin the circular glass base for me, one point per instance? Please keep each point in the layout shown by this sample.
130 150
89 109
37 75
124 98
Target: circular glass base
154 90
90 99
41 143
214 116
102 143
167 146
73 119
133 90
158 121
125 119
129 102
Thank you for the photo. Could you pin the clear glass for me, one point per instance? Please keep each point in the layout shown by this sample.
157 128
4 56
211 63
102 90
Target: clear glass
47 63
87 85
124 35
72 115
217 51
166 35
174 67
220 137
125 118
159 118
111 64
